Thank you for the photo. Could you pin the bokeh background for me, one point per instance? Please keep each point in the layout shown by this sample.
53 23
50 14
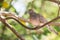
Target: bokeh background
47 8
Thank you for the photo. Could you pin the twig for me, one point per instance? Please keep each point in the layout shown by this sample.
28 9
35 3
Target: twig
35 28
3 20
13 16
20 18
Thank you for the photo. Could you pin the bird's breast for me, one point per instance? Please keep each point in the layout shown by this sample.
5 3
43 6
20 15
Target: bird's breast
35 22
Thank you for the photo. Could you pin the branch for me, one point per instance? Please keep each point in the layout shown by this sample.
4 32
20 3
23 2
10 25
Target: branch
15 17
35 28
3 20
19 18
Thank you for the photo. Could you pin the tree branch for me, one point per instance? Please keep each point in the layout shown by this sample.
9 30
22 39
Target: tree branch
15 17
19 18
35 28
3 20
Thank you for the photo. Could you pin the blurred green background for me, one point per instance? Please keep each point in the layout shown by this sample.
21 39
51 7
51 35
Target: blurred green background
47 8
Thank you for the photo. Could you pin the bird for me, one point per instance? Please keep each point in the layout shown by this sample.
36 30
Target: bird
37 20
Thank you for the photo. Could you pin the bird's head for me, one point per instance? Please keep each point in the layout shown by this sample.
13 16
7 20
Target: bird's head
30 11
